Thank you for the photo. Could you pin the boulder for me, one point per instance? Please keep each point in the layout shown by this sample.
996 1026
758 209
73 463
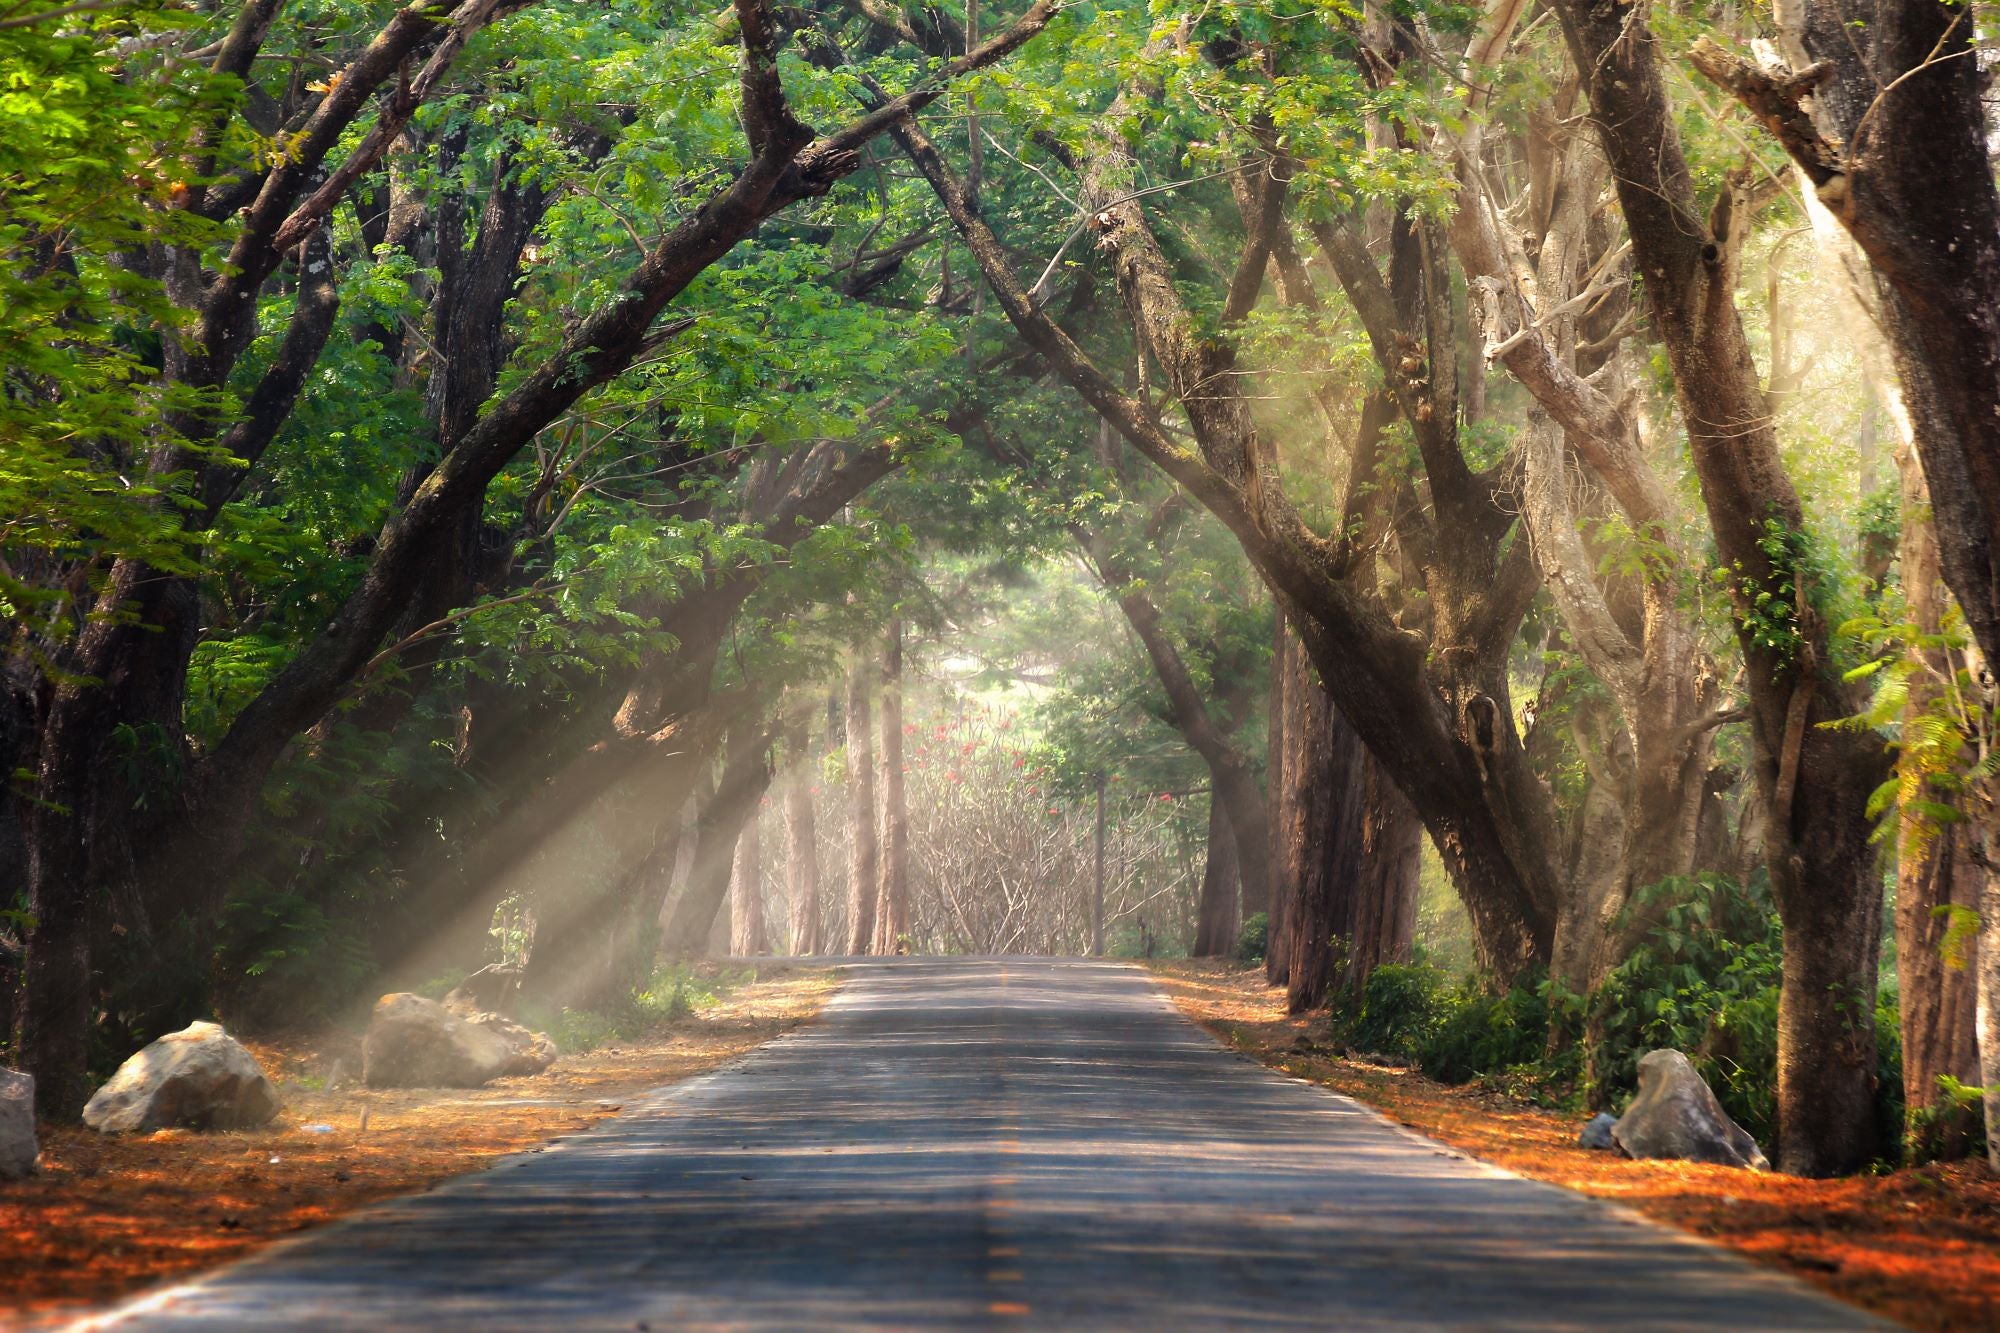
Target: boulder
1676 1116
1597 1132
197 1078
413 1042
18 1149
490 990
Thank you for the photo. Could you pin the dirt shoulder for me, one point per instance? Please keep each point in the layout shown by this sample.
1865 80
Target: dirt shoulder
1921 1246
110 1214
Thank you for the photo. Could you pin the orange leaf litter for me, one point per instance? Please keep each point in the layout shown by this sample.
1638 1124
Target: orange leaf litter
110 1214
1921 1246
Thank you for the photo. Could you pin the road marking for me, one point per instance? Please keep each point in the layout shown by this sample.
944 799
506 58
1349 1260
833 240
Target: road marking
1004 1252
1004 1275
1007 1307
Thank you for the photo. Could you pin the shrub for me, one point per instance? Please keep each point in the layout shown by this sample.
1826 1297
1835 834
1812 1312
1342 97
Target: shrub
1475 1032
1400 1007
1253 939
1704 981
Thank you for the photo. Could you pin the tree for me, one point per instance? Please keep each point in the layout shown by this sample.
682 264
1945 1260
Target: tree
1814 779
100 831
1881 108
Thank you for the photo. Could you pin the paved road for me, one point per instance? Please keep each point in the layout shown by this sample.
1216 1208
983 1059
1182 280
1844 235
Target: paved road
980 1144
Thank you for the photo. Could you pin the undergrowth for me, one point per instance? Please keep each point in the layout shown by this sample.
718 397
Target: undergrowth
674 992
1703 979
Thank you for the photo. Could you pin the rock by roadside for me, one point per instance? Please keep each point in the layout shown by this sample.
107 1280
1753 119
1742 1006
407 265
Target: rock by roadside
413 1042
197 1078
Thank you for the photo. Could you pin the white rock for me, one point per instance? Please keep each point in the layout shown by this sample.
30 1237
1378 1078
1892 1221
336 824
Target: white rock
199 1078
1676 1116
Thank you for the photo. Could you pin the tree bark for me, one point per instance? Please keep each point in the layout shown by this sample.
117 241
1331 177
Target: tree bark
1389 878
863 859
1895 142
1895 145
1232 781
892 908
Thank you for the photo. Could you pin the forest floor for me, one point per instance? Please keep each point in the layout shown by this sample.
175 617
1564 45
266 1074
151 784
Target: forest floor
109 1214
1921 1246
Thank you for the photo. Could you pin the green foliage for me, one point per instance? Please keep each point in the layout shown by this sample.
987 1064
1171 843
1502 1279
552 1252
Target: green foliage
1399 1008
1943 744
1954 1124
1704 981
1772 604
91 169
1254 938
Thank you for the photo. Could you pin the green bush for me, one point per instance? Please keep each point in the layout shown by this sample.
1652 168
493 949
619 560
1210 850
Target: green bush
1475 1032
1400 1008
1253 939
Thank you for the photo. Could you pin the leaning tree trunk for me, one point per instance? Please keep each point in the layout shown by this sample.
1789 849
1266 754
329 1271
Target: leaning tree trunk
892 906
746 891
863 887
1215 914
801 841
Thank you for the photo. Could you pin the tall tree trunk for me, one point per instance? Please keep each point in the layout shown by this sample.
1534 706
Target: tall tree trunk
1389 873
1939 878
892 907
801 839
1323 815
1286 665
746 891
1815 780
1216 922
863 866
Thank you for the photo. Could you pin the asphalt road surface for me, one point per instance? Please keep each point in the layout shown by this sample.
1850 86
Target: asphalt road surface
993 1144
